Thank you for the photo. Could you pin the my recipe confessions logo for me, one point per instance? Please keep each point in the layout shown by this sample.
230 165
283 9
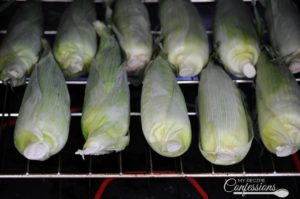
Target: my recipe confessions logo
253 186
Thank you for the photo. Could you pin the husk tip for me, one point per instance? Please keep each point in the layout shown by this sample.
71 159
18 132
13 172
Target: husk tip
295 66
285 150
74 64
249 70
186 72
37 151
173 146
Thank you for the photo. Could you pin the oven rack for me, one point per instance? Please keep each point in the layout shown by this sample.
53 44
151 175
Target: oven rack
176 171
276 167
194 80
151 173
145 1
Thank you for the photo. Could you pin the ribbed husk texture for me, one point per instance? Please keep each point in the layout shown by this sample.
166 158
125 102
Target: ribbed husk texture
165 121
105 119
20 47
184 37
236 40
132 26
282 18
76 40
226 130
42 126
278 106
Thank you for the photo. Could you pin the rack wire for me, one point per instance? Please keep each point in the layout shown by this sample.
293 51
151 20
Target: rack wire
175 169
145 1
147 174
193 81
121 173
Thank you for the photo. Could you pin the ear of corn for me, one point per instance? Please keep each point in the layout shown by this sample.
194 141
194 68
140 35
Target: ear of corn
236 39
278 105
21 45
184 37
76 41
105 119
225 128
132 27
165 122
42 127
282 18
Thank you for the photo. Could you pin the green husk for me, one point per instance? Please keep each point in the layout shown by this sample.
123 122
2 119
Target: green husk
76 41
20 47
132 26
282 19
236 40
165 121
105 119
42 127
184 37
226 130
278 105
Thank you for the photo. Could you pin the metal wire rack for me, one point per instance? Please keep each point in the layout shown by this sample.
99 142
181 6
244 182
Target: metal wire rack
137 160
129 164
145 1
